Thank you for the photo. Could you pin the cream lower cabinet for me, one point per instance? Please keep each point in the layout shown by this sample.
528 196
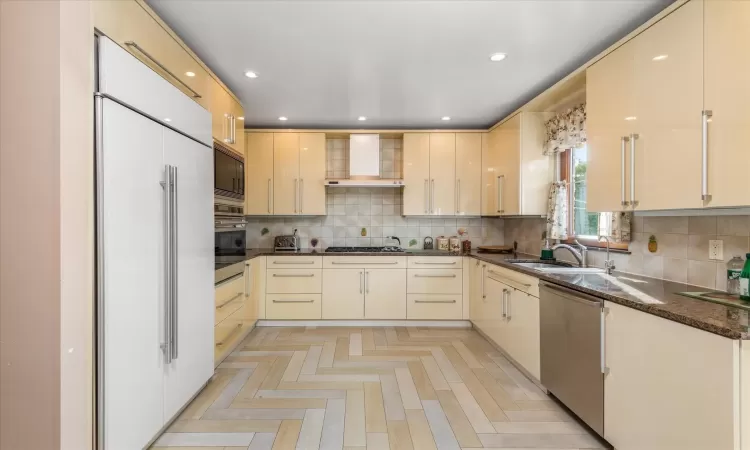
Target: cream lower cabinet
669 386
434 288
233 314
508 314
293 287
364 293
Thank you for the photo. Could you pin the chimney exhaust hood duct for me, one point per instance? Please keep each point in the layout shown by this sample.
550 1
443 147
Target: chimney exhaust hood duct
364 164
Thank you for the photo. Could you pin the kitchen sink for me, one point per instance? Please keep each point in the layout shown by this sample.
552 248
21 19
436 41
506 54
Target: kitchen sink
557 268
539 265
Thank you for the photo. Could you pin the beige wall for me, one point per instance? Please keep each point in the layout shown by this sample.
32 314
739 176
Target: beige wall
682 254
45 225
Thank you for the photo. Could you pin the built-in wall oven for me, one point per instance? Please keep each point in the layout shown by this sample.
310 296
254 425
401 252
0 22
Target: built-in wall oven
229 189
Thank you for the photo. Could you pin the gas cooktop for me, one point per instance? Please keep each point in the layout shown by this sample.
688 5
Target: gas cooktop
365 250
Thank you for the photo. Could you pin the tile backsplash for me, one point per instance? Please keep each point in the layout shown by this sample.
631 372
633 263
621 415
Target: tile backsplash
378 212
682 253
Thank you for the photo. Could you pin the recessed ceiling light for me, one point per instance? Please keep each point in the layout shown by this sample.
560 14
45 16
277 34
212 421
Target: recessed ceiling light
361 118
251 74
445 118
629 118
282 118
167 119
498 57
240 118
660 57
190 74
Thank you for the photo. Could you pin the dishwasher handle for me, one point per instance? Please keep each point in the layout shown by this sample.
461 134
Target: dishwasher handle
573 295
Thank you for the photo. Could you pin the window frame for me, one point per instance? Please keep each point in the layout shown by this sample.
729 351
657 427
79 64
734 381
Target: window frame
566 169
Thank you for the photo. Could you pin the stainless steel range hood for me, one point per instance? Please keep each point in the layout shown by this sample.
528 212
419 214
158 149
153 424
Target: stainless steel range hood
364 164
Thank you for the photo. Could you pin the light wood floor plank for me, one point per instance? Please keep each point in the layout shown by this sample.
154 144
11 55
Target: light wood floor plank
368 339
399 437
326 357
471 408
354 421
295 366
421 435
302 393
262 441
355 344
449 372
433 372
408 390
467 355
312 429
276 373
342 349
333 425
444 436
312 360
207 396
231 390
224 426
324 385
421 381
286 403
377 441
253 383
379 336
394 406
460 424
374 409
286 438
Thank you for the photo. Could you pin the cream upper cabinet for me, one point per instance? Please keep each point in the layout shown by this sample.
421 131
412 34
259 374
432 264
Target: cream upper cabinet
468 174
658 395
299 170
225 111
132 25
668 69
285 173
259 174
516 173
726 72
385 293
610 118
238 123
443 174
416 150
312 174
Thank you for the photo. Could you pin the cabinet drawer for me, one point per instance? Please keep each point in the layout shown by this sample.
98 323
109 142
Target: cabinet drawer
293 281
434 281
514 279
434 306
229 290
230 327
293 306
365 262
228 308
435 262
294 262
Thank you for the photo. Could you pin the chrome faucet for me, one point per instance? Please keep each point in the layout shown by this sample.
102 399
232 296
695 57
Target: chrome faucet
581 254
609 264
394 238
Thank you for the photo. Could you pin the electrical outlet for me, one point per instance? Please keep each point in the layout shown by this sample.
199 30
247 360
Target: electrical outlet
716 250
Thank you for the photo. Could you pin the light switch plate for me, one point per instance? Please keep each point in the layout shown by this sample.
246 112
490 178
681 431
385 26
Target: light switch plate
716 250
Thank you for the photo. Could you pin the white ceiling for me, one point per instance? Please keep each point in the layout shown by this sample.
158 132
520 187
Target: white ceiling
402 64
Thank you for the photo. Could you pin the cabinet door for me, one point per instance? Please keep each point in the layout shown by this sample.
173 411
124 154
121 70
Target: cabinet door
133 215
509 166
343 294
285 173
312 174
490 167
416 174
220 108
653 358
669 101
726 73
193 361
129 21
259 174
443 174
610 119
522 312
494 322
238 131
385 294
468 174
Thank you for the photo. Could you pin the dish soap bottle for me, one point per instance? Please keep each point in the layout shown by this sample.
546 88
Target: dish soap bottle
745 280
734 269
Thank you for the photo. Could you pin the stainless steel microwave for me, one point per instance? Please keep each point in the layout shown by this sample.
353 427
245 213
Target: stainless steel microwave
229 174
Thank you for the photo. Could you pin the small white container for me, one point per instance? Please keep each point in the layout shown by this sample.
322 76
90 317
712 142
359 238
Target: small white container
455 244
442 243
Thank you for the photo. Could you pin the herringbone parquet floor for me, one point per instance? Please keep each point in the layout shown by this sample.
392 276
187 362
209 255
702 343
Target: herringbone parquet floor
371 388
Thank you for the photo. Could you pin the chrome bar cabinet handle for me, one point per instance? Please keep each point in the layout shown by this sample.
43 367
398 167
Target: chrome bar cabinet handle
229 301
484 268
705 196
432 198
458 196
301 195
623 142
416 275
435 301
296 194
167 346
633 138
293 301
508 303
161 66
361 282
500 188
603 340
269 196
503 302
293 275
426 196
175 265
367 282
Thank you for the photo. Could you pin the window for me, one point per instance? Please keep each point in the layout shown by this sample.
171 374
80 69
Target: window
583 225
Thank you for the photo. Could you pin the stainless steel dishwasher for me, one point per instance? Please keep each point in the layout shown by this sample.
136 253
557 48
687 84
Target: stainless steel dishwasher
572 346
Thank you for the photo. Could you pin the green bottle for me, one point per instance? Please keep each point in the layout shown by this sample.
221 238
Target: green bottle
745 280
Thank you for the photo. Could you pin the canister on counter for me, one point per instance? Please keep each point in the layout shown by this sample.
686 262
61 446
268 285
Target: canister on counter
455 244
466 246
442 243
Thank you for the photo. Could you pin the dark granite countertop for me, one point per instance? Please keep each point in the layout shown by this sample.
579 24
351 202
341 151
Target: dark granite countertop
650 295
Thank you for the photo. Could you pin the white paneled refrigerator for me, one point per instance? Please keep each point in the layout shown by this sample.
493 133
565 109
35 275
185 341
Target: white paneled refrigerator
155 258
